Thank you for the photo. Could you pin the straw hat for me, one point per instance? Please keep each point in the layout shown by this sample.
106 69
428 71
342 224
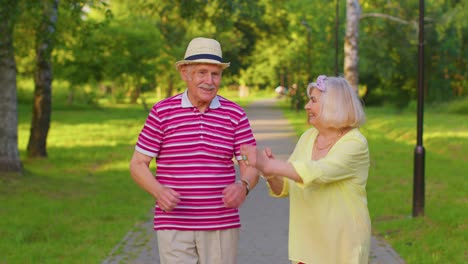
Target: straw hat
203 50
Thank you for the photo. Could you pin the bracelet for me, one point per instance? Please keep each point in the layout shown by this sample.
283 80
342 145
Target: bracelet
247 185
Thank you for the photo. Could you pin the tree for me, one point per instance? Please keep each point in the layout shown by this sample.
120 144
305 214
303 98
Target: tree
42 105
9 155
351 71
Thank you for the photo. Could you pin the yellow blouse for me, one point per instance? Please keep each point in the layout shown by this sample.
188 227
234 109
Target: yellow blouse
329 220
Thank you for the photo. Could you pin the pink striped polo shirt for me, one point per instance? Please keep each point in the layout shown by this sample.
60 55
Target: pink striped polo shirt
194 152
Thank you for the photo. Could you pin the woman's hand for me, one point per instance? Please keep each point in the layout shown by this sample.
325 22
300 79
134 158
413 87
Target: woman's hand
269 153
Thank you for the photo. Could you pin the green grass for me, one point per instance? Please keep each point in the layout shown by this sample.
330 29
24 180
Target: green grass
78 204
75 205
440 236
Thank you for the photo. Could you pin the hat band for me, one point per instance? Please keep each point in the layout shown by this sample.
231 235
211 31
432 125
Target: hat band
204 56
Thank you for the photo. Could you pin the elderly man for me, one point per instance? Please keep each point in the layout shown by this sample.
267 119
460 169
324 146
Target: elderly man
193 137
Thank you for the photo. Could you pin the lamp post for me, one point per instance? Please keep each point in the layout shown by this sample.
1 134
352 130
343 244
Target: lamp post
309 47
419 152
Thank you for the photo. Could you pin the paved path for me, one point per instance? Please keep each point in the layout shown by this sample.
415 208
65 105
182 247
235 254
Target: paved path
264 232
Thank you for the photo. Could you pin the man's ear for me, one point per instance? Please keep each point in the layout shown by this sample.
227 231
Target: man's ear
183 72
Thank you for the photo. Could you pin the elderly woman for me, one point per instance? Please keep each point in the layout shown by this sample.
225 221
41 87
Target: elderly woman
325 178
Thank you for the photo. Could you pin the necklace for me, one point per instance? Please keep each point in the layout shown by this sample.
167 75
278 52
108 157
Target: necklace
329 144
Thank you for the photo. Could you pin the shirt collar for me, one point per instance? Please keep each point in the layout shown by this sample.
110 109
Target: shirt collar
186 102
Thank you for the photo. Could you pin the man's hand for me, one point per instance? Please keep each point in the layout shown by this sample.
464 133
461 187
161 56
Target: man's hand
167 199
234 195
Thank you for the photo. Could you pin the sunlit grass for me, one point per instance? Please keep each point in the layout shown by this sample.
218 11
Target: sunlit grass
441 235
74 206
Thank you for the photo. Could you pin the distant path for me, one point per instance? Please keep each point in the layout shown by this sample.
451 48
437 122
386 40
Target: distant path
264 232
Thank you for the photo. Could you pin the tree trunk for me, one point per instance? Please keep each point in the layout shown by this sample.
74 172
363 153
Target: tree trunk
135 94
170 87
42 103
353 12
9 154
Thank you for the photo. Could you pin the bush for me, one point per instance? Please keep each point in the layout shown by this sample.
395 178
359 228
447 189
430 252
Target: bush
458 106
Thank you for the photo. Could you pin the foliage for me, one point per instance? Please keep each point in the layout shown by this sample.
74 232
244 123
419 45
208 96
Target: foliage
389 50
128 48
113 49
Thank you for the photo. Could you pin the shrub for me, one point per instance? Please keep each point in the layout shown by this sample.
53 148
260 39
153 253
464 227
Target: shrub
458 106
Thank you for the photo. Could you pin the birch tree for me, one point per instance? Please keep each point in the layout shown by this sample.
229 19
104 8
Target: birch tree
351 49
42 105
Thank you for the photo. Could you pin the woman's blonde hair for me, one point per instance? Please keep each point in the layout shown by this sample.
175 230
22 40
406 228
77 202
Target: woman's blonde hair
340 104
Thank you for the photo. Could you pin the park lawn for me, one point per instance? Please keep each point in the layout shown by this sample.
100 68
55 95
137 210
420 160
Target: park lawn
75 205
440 236
80 202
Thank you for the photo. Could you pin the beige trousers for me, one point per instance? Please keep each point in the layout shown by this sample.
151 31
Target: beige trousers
198 247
